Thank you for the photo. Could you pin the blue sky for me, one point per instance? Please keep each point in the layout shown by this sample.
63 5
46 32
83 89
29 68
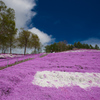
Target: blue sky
58 20
71 20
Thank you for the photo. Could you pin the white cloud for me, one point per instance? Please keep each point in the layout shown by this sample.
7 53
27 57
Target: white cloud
23 11
44 37
92 41
24 14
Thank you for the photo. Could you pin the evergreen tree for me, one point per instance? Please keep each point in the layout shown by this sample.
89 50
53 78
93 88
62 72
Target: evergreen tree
91 47
75 45
96 46
79 45
62 46
47 48
83 45
70 47
87 46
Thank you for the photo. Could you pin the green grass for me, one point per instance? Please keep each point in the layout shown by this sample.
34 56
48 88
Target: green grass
43 55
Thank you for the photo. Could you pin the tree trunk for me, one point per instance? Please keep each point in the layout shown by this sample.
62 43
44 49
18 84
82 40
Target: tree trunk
25 46
2 49
10 46
10 50
25 50
35 50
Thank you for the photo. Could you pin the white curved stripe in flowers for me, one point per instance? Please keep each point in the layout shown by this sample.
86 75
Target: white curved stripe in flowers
80 51
60 79
9 55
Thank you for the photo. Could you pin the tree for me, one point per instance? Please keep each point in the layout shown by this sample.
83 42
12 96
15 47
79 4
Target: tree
79 45
24 39
91 47
34 42
62 46
7 27
70 47
83 45
3 39
75 45
27 39
3 43
96 46
40 47
47 48
3 8
87 46
11 30
56 47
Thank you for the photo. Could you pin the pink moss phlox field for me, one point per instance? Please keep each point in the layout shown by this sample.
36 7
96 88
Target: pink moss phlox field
9 61
16 81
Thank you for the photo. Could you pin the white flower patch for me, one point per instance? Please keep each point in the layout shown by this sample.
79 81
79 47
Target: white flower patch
1 56
9 55
60 79
80 51
74 51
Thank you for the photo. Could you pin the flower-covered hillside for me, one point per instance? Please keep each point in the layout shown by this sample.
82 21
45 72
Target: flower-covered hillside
57 76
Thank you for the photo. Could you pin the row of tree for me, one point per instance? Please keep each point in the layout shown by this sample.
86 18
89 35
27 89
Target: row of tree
63 46
28 39
8 32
